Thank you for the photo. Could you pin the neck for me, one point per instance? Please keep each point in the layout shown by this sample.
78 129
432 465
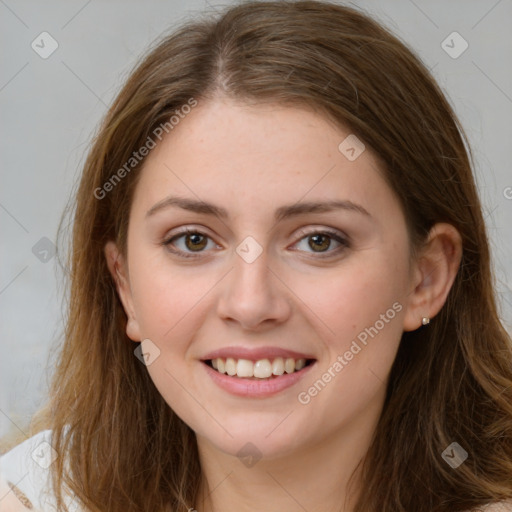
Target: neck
314 477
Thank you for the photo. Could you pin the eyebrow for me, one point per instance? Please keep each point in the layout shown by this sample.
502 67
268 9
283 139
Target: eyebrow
284 212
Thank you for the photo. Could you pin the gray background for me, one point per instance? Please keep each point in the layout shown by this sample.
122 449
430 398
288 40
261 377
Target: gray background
50 108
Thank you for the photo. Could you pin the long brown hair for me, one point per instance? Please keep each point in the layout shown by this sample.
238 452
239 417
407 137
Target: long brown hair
126 449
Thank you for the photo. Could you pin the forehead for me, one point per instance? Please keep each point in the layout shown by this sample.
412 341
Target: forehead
253 156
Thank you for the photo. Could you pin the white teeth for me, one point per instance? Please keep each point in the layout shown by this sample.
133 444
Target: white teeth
261 369
289 365
278 366
245 368
230 366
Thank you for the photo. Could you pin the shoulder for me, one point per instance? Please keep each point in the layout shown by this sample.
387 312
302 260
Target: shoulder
24 473
25 479
12 499
503 506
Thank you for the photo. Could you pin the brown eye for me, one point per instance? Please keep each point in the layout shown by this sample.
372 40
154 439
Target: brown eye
321 241
194 242
197 241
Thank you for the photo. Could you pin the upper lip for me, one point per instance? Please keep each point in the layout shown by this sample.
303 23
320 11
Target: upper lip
255 354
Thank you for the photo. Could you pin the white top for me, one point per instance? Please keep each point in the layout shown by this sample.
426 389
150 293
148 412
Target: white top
25 477
25 484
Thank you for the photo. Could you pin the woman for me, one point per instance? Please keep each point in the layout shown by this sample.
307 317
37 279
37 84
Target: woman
279 211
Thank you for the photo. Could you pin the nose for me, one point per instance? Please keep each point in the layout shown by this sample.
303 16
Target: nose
254 295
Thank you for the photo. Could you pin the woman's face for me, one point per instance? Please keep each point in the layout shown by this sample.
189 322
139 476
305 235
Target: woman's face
269 278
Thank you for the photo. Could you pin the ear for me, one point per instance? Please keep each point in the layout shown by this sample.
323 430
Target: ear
433 274
119 271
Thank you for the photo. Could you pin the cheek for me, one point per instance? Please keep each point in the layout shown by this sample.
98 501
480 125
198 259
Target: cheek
169 303
164 295
361 309
348 301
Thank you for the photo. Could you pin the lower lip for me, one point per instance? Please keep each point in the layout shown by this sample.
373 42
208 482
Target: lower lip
252 388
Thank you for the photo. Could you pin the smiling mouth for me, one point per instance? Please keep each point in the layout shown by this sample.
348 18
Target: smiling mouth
262 369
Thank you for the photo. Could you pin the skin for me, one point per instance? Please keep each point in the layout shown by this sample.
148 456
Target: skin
252 159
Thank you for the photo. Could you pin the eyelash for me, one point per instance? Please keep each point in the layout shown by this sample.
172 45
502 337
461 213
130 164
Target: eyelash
329 233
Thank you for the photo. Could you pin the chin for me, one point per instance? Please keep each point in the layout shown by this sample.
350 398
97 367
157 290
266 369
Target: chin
257 442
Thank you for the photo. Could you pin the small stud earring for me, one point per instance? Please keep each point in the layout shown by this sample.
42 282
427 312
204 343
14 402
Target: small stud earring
425 320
